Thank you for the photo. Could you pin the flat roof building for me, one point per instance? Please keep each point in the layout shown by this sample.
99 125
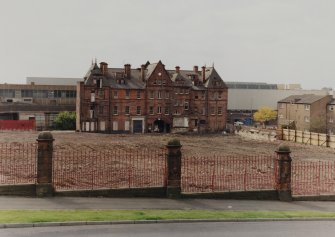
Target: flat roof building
41 103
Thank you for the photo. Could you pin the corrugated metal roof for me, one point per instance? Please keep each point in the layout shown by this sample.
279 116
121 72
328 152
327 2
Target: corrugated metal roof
53 80
251 85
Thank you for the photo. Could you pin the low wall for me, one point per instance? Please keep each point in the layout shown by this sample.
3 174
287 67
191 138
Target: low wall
131 192
158 192
245 195
257 134
18 190
314 198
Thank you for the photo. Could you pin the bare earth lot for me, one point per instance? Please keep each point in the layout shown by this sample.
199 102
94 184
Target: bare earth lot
202 145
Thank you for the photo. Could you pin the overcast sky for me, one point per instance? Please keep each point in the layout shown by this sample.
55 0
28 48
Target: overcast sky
273 41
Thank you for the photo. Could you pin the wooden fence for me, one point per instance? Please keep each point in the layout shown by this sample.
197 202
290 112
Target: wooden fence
311 138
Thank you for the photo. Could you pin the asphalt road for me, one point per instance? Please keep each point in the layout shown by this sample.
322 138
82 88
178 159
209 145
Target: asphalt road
226 229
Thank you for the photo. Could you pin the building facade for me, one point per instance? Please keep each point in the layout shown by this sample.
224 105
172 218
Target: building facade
331 117
41 103
245 98
151 99
306 112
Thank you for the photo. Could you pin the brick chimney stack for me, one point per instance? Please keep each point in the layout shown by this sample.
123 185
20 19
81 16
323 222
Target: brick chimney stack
143 72
203 73
127 70
177 69
104 68
195 69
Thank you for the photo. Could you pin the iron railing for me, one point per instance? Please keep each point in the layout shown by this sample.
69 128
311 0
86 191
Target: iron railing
90 169
18 163
313 178
228 173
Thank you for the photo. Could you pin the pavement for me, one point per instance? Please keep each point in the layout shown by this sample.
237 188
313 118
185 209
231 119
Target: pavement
62 203
73 203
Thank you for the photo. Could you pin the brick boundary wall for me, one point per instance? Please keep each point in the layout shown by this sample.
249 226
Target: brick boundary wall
172 189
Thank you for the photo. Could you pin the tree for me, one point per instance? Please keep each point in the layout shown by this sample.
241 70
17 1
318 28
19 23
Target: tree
264 115
65 121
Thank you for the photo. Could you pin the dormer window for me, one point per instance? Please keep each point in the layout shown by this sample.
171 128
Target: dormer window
121 81
192 77
119 75
98 83
217 83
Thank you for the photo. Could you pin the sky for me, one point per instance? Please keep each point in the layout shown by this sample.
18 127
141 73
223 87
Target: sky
272 41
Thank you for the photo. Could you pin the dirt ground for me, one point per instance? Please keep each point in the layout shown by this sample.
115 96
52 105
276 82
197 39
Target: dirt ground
199 145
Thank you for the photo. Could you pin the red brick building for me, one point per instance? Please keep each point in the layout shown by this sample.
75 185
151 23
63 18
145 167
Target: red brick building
151 99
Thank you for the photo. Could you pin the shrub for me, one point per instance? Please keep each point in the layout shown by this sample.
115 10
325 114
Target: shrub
65 121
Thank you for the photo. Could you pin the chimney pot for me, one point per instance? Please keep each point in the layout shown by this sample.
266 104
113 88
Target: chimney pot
203 73
143 72
104 68
127 70
195 69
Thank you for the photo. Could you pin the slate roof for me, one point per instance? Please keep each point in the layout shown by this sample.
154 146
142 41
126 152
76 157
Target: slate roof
114 75
302 99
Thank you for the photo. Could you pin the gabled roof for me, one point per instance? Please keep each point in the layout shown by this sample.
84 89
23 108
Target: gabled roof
212 76
149 69
114 75
93 67
175 77
302 99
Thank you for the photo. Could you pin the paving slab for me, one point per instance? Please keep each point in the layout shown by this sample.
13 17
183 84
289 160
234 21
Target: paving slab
63 203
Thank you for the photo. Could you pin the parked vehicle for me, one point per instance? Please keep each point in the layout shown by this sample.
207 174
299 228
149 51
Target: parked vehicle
238 123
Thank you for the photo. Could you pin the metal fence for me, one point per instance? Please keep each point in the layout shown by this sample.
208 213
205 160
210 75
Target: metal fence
18 163
89 170
313 178
228 173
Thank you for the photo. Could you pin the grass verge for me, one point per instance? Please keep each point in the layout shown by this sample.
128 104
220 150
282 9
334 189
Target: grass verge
35 216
